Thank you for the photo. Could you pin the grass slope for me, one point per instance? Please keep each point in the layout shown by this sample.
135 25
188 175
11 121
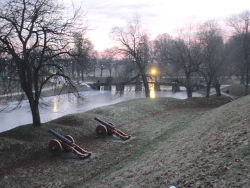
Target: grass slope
237 90
212 150
197 142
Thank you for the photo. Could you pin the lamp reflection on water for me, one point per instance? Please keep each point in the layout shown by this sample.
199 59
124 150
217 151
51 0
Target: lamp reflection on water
55 109
152 91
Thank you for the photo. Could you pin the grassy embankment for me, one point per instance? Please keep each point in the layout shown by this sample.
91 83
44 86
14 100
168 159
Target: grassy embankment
196 142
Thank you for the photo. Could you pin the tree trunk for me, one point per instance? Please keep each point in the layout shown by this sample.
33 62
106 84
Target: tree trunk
82 74
101 72
72 70
110 72
217 89
35 113
208 89
242 78
189 91
146 86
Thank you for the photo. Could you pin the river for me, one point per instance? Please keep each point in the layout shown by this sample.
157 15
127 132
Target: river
55 107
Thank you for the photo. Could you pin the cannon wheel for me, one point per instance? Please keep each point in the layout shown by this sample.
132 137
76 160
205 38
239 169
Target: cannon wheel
65 146
55 147
101 131
70 138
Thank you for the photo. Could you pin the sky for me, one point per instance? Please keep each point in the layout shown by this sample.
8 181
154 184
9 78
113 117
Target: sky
157 16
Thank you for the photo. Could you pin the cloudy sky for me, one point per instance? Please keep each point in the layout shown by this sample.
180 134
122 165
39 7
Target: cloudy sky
158 16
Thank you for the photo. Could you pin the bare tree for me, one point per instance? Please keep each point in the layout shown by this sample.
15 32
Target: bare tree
34 33
82 55
94 61
182 56
210 36
241 24
132 41
161 52
109 55
102 64
234 58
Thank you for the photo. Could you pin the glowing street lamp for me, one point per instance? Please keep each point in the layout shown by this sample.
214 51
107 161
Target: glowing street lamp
153 71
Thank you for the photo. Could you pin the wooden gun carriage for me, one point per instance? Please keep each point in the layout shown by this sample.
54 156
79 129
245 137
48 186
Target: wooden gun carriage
109 129
66 143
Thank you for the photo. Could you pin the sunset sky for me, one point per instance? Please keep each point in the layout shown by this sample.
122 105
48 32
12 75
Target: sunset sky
158 16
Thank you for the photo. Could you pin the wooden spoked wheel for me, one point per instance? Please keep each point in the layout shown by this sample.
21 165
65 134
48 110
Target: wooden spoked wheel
55 147
101 131
69 138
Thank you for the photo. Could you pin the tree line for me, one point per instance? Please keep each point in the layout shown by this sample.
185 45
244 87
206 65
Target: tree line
199 53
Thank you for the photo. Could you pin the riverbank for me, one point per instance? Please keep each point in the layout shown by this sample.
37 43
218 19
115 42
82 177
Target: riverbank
196 142
58 106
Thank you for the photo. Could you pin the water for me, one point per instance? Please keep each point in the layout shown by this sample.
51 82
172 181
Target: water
55 107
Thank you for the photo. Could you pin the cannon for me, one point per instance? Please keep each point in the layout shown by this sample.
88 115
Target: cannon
109 129
66 143
231 98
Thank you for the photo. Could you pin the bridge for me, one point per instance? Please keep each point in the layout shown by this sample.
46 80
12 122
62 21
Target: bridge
107 83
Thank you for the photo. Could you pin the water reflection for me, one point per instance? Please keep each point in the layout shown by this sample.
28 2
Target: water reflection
152 90
129 88
55 104
152 94
59 106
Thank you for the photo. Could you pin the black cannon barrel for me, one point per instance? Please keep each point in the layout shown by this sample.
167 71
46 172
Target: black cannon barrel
231 98
105 123
60 137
